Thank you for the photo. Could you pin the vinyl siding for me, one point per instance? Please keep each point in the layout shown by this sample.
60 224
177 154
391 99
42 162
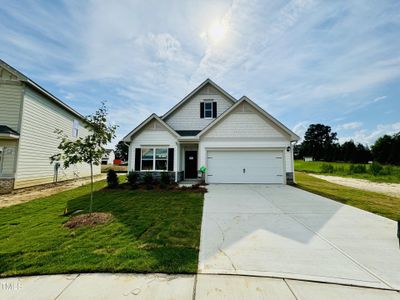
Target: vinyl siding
38 141
187 116
7 166
10 104
153 134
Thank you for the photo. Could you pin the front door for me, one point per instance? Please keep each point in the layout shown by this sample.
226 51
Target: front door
190 164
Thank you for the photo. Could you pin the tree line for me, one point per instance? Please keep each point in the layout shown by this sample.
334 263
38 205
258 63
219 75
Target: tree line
321 143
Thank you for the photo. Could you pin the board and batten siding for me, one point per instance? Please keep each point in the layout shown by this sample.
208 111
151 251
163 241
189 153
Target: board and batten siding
10 104
187 116
154 134
7 165
38 141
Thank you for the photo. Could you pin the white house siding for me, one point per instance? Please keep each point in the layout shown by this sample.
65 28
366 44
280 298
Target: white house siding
153 134
38 141
10 103
245 128
187 116
7 166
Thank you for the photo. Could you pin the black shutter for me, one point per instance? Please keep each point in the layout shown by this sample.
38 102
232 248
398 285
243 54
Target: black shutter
170 159
138 154
214 109
201 110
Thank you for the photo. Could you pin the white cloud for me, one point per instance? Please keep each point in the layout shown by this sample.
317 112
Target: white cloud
301 128
351 125
380 98
369 137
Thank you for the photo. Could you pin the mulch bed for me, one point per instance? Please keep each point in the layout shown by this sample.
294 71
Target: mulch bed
92 219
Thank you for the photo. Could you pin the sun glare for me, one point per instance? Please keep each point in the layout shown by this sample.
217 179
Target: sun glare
217 31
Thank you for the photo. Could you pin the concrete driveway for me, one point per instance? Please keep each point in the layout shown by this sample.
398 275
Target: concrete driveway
281 231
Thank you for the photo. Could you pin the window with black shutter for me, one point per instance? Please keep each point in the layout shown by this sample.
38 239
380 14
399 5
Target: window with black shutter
170 159
138 157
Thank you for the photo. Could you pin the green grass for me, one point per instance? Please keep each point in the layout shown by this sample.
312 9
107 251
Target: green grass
151 231
380 204
388 174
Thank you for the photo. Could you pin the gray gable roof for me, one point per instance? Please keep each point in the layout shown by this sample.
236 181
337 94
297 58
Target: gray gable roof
7 130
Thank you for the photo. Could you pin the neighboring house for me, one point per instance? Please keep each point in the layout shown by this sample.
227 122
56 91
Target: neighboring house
308 158
28 117
236 140
108 157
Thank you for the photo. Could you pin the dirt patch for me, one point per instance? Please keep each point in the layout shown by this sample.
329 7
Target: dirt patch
31 193
92 219
391 189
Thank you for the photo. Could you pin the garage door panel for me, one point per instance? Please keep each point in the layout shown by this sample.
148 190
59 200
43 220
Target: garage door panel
245 167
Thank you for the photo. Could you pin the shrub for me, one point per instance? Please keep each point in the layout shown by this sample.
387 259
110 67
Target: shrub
112 179
165 179
358 169
327 168
387 170
148 179
340 169
375 168
132 178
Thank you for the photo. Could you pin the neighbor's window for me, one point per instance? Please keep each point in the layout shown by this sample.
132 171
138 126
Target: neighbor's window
154 159
75 126
208 107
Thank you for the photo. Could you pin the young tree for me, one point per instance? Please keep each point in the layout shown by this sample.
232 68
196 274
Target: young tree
88 149
121 151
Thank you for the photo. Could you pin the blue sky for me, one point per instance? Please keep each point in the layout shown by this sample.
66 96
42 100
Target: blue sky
333 62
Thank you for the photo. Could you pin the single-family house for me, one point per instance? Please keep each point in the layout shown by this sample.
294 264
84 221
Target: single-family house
233 140
29 116
108 157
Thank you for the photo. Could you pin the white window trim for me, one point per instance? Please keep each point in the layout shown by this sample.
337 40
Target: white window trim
75 128
1 159
211 109
154 159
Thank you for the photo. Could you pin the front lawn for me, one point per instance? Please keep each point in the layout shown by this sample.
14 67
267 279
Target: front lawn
388 173
150 231
380 204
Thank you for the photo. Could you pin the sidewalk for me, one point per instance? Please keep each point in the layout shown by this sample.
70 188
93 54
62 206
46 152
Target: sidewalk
161 286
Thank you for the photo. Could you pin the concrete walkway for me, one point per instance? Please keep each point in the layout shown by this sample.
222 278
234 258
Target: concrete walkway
159 286
281 231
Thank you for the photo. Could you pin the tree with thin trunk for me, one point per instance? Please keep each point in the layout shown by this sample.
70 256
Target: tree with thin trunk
88 149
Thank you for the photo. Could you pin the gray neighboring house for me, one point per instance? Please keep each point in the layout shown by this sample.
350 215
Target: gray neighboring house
28 117
108 157
235 139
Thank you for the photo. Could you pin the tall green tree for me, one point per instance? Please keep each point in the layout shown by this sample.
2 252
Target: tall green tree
386 149
88 149
121 151
319 142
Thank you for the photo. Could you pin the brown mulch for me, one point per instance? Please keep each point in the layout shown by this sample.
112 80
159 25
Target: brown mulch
92 219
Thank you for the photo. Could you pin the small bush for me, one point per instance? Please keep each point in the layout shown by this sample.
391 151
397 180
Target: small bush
148 179
112 179
375 168
340 169
132 178
387 170
358 169
165 179
327 168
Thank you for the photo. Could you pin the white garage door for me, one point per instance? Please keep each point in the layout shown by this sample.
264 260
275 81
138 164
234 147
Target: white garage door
245 167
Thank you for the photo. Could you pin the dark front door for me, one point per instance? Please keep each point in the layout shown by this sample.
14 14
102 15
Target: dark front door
190 164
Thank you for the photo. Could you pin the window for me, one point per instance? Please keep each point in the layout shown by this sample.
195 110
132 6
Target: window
154 159
208 109
1 159
75 126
